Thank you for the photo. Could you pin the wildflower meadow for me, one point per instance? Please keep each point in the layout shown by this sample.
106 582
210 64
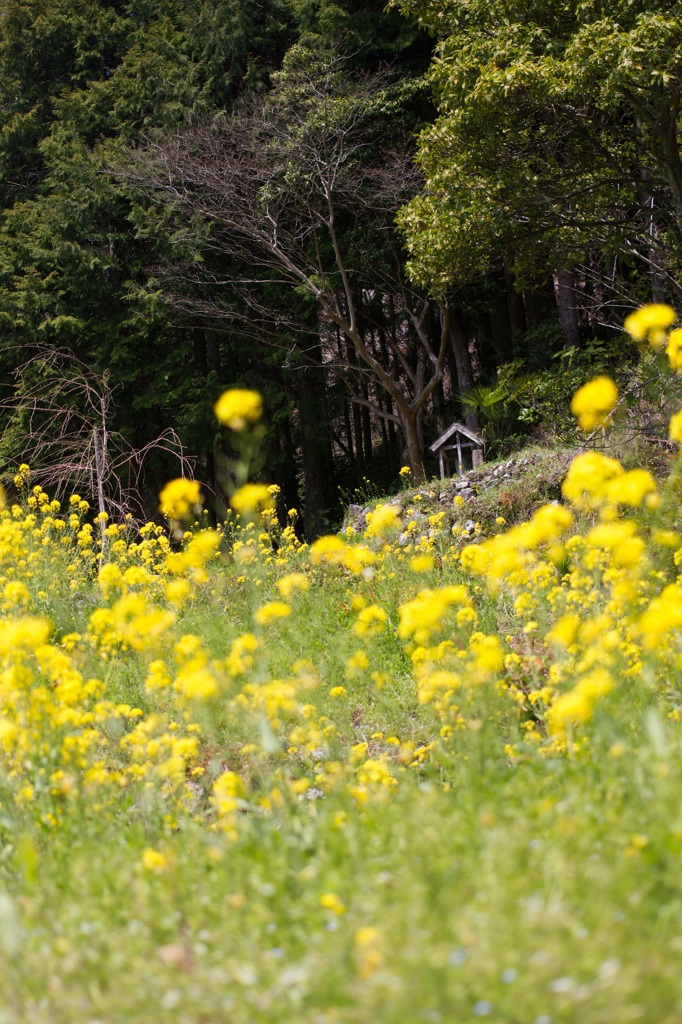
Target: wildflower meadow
426 772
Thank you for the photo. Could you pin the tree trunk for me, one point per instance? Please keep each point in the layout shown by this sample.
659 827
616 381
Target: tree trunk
285 471
213 352
532 310
316 453
667 149
198 336
385 445
438 401
484 353
366 427
349 437
459 348
514 304
501 330
564 289
411 430
658 293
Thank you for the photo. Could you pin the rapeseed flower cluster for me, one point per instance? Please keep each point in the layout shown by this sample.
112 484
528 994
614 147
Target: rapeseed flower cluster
532 634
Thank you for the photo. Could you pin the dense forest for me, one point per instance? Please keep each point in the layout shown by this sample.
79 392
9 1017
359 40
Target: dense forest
382 219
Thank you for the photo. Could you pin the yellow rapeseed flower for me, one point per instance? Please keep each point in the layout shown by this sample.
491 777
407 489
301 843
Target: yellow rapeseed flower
422 563
250 497
593 403
331 902
356 664
674 350
293 581
371 621
650 322
154 861
228 794
271 611
328 549
631 488
178 497
675 429
238 407
588 477
382 520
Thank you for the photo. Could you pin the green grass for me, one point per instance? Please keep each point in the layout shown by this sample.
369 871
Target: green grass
513 896
492 882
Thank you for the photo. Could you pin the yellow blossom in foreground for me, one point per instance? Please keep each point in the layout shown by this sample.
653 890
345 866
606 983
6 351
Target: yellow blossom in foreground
357 558
328 549
158 677
357 663
371 621
422 563
675 429
331 902
240 659
179 497
650 322
228 794
195 682
250 497
588 478
593 403
663 615
238 407
565 630
367 942
271 612
293 581
425 614
674 350
154 861
177 592
631 488
382 520
27 633
577 706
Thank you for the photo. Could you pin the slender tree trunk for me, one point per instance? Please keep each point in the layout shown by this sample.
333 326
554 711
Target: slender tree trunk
366 426
667 149
501 330
532 310
285 471
357 431
213 352
100 445
486 358
349 437
655 276
410 424
564 289
318 465
198 336
514 304
438 402
385 443
459 347
341 347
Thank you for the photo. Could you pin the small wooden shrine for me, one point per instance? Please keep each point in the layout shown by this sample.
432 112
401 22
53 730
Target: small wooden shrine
465 442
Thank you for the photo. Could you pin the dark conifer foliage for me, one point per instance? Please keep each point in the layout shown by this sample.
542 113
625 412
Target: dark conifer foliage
544 199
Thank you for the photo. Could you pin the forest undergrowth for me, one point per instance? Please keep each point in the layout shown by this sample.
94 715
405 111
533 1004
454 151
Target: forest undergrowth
414 774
